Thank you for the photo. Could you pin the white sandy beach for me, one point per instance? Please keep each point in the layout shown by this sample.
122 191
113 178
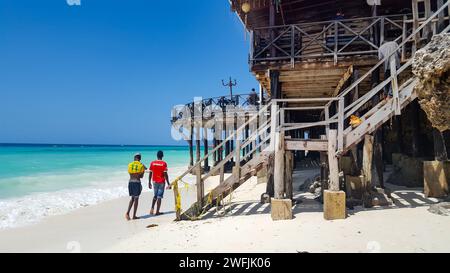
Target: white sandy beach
406 227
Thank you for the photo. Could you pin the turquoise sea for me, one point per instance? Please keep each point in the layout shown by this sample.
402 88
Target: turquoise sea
42 180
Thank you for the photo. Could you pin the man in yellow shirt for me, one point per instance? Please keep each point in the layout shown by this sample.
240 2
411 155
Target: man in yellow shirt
136 171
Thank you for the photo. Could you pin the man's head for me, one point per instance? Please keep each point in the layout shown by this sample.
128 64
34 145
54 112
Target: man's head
160 155
137 157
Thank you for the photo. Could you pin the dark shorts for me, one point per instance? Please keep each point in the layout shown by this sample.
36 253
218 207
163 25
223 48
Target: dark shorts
134 189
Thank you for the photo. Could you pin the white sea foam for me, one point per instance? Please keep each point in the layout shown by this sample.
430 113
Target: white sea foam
29 209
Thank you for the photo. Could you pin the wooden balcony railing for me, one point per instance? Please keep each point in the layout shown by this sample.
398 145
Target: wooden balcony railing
329 39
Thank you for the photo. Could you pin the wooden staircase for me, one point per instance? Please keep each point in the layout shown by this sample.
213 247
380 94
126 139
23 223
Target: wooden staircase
225 188
250 154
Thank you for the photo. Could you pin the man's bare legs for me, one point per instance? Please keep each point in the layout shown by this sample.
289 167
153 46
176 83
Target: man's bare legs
156 201
158 206
153 205
127 215
135 201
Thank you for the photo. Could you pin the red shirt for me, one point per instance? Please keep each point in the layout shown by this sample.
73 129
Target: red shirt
158 168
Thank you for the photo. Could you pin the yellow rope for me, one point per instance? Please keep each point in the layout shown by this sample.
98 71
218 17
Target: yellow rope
209 201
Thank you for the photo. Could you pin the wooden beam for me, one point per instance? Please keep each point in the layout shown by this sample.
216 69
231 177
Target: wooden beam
306 145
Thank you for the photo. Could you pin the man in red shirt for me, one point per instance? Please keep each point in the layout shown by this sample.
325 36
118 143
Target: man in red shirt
158 171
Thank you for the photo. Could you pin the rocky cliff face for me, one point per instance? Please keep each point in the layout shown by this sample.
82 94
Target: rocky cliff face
432 66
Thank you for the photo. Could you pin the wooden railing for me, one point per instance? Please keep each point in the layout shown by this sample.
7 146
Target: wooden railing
328 39
221 103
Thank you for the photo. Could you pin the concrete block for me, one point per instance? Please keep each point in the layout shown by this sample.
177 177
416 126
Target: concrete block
281 209
334 205
436 177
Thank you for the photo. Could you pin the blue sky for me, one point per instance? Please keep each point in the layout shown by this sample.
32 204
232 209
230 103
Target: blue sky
109 71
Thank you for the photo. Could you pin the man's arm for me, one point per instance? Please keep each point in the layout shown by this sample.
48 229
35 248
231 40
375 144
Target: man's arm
143 173
150 180
167 180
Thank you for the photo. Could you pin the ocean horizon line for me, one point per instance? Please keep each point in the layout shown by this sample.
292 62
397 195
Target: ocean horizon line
6 144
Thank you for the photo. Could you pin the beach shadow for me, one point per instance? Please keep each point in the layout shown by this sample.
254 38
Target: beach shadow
305 202
148 216
253 207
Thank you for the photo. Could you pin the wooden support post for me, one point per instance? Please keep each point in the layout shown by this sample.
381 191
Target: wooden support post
205 149
341 120
367 169
200 187
324 167
227 144
279 166
254 131
378 151
191 147
281 208
273 126
441 15
231 144
220 151
237 155
333 199
378 156
197 141
367 160
415 12
216 153
355 97
440 150
404 36
289 162
333 161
